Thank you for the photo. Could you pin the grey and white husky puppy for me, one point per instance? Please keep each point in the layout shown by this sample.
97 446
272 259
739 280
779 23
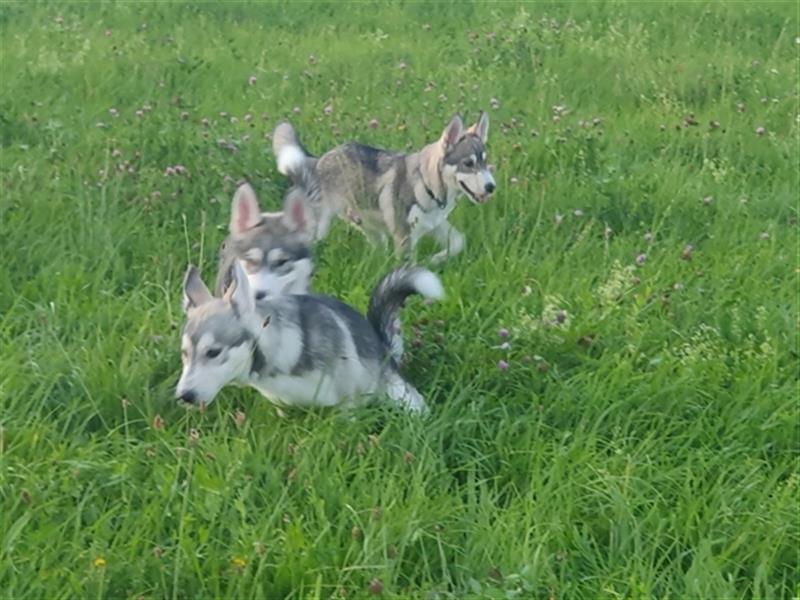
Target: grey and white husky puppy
301 350
391 194
273 249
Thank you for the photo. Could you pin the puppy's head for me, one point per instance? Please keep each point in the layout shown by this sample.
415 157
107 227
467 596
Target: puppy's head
464 164
218 339
273 249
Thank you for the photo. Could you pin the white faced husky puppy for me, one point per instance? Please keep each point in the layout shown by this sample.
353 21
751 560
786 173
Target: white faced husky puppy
301 350
391 194
273 249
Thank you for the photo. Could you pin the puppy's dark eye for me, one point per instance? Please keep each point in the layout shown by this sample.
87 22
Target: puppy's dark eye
469 163
213 353
280 263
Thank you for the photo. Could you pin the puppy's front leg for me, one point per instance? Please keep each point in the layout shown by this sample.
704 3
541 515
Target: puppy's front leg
323 217
450 239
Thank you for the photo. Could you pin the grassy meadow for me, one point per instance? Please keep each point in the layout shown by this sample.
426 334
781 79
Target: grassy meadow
613 375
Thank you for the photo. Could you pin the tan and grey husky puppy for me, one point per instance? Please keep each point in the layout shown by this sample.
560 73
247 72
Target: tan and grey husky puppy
391 194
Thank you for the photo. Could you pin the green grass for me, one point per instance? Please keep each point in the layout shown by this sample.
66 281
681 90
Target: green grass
646 447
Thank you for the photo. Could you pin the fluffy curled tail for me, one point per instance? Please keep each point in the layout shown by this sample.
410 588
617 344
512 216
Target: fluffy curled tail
390 294
290 155
298 165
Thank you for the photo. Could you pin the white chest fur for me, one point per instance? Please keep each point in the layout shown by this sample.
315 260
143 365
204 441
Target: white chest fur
422 221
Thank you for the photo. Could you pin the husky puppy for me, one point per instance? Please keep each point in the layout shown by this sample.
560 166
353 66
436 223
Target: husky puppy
300 350
391 194
273 248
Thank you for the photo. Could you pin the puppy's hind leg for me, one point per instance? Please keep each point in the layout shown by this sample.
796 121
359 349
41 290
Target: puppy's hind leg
404 394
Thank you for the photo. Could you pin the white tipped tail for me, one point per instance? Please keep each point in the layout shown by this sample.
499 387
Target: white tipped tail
290 160
300 167
427 285
289 154
390 294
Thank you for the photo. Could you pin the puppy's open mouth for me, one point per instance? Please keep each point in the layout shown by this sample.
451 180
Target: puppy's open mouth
472 195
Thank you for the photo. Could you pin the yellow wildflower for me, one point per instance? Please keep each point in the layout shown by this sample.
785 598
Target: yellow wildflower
99 562
238 563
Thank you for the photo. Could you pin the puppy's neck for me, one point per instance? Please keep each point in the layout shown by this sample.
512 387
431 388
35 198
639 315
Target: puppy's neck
430 167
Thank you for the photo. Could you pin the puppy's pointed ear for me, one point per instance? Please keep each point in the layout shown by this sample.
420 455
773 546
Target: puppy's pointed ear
452 133
195 291
295 211
239 293
481 127
245 212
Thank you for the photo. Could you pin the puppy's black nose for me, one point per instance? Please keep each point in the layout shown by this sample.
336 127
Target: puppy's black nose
261 295
188 396
489 187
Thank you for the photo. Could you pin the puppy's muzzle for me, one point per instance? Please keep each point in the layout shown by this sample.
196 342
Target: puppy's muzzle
189 397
